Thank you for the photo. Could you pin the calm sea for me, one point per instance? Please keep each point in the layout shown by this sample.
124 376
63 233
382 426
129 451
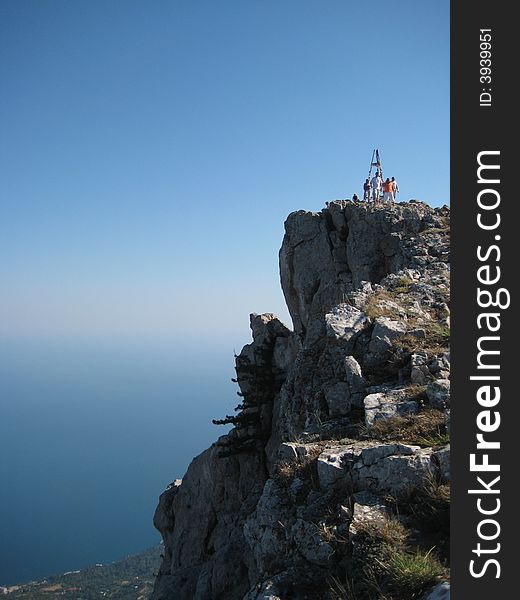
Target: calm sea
90 434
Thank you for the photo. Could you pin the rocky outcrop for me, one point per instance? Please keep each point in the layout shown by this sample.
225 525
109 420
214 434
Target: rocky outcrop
343 423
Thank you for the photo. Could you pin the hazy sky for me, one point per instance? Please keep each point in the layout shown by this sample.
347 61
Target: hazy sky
150 151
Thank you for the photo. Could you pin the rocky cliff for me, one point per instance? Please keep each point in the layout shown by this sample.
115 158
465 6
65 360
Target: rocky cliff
334 480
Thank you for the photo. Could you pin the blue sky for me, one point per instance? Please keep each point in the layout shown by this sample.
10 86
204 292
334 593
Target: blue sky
150 151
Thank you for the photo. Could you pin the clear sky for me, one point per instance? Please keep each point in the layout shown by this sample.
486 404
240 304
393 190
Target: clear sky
150 151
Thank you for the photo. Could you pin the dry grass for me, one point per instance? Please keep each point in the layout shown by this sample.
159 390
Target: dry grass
428 505
402 285
388 531
330 535
427 428
378 305
444 230
436 340
304 468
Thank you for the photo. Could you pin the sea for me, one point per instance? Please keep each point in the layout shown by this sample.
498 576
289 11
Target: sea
91 432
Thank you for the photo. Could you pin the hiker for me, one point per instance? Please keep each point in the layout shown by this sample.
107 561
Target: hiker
376 186
355 198
395 190
388 187
367 189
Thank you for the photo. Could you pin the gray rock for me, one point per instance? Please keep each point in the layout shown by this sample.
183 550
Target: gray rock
420 374
375 467
388 328
354 376
384 405
287 452
234 530
440 592
327 255
438 393
384 333
338 399
196 561
395 474
266 591
368 509
267 529
292 451
372 454
310 543
442 457
345 322
440 364
420 334
331 466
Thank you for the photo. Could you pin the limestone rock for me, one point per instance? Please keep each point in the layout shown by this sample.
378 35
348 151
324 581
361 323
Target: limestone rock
384 333
377 468
326 255
310 544
344 322
338 399
266 530
384 405
438 393
420 373
368 508
268 511
440 592
356 381
442 457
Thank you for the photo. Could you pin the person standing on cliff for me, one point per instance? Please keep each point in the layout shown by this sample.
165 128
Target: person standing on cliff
376 186
388 191
367 189
395 191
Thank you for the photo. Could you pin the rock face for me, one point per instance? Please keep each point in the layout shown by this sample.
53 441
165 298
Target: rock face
339 415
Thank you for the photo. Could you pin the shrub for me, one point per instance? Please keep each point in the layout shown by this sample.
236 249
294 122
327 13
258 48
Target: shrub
385 567
407 575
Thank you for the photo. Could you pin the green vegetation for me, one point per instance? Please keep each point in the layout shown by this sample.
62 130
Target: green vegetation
385 566
408 574
128 579
402 285
428 507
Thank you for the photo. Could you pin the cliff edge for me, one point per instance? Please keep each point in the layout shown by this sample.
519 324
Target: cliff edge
334 480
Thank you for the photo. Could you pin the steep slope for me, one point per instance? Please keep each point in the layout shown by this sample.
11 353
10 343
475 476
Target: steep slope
335 476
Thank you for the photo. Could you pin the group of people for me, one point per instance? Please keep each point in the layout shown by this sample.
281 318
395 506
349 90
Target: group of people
376 189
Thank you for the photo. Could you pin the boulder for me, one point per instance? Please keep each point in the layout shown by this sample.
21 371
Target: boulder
420 373
438 393
376 467
383 405
345 322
